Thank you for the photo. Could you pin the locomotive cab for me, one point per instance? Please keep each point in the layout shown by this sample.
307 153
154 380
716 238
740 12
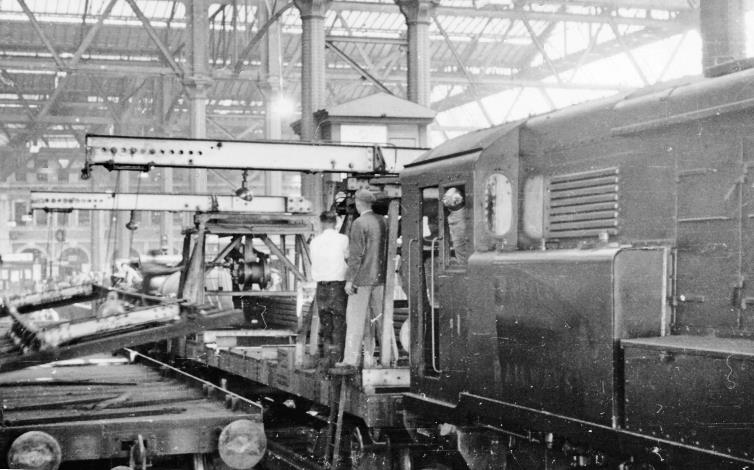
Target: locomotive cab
466 201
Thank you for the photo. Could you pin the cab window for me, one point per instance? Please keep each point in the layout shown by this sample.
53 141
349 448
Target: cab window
456 225
430 215
498 204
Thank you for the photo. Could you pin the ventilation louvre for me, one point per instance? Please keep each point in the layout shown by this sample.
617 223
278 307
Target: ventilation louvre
582 204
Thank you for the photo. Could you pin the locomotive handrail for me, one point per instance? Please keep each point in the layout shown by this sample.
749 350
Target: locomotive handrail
432 300
408 274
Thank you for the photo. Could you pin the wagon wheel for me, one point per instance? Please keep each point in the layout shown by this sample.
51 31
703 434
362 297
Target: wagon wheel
360 439
405 461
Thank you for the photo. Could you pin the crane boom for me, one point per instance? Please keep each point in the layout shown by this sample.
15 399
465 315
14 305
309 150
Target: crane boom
54 201
144 153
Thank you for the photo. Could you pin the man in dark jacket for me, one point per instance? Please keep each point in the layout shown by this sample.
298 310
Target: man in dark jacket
365 277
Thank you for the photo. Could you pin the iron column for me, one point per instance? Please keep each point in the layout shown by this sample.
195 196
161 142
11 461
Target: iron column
272 86
312 84
312 62
164 85
418 15
197 82
722 26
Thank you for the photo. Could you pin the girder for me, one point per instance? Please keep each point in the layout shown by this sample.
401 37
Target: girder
57 201
144 153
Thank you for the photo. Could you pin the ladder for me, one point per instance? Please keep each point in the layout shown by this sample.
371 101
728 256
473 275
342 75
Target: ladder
339 388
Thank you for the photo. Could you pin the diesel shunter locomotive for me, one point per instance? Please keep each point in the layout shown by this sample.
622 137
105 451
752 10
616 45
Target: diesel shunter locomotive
581 284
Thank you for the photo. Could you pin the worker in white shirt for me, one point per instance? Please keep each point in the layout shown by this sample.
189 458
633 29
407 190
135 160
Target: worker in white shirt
329 251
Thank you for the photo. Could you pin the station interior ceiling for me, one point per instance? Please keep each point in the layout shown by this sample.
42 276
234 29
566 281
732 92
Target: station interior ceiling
491 61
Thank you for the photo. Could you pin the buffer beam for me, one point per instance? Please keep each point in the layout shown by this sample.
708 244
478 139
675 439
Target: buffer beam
144 153
55 201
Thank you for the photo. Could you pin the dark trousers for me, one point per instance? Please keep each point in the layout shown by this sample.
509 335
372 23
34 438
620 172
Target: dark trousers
331 305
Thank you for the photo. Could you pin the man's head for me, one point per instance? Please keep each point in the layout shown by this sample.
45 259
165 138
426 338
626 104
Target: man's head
364 200
328 220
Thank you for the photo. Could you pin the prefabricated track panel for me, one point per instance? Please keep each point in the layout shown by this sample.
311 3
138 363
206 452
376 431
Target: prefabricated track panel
98 410
11 359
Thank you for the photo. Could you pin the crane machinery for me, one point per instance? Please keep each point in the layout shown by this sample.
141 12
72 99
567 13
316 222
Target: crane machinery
144 153
43 342
272 356
274 339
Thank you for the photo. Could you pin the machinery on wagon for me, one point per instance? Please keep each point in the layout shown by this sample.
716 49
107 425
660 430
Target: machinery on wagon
277 347
257 236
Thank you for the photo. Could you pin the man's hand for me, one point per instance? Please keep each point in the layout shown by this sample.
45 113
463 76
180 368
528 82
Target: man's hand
349 288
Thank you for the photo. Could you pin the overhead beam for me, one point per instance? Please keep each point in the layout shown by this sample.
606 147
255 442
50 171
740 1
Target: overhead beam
358 68
492 11
41 34
62 83
461 65
12 117
627 51
501 11
19 93
538 42
139 153
366 40
259 35
679 8
111 107
97 67
533 77
359 46
167 56
66 201
92 33
251 74
641 4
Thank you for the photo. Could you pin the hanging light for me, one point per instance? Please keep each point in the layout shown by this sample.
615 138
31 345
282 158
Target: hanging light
132 224
244 192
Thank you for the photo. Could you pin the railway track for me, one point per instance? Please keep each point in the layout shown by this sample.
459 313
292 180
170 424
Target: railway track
136 414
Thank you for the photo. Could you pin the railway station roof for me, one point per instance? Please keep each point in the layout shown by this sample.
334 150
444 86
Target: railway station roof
68 67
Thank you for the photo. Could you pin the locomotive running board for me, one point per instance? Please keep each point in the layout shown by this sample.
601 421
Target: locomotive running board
513 418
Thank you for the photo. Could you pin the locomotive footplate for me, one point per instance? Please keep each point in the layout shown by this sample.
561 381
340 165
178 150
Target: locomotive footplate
508 419
107 408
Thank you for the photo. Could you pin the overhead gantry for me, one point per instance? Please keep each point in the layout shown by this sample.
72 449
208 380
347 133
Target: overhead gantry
144 153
